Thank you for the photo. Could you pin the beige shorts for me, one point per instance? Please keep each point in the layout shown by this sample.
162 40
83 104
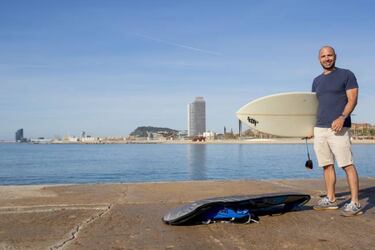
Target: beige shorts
330 146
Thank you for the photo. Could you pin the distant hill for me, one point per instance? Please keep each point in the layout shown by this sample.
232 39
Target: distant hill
142 131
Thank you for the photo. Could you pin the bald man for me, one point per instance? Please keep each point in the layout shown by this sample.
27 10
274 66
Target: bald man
337 92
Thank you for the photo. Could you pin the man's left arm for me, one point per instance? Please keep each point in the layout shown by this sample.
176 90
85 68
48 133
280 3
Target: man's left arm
352 95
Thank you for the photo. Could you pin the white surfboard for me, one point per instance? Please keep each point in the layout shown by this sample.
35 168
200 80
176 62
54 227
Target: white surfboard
290 114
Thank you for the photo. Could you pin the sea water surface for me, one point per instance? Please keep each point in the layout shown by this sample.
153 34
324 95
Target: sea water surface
23 164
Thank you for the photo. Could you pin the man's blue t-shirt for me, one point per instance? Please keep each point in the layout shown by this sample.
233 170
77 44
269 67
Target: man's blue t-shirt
331 92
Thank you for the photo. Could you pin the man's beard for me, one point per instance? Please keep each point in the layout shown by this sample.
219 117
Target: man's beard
330 67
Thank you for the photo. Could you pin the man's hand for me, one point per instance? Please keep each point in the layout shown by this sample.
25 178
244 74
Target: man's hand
338 124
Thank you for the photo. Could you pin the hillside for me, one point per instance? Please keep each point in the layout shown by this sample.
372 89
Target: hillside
142 131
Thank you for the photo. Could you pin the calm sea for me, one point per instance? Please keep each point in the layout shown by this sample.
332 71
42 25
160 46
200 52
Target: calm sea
107 163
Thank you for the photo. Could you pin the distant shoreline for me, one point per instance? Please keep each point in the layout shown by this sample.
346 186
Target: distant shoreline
252 141
234 141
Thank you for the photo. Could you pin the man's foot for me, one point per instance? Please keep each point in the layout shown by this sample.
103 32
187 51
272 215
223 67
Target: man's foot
326 204
351 209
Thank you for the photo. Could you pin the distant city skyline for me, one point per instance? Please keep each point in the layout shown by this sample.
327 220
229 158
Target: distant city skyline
107 68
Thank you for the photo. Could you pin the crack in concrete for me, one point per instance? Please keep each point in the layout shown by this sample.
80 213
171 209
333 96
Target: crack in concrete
76 230
218 242
124 194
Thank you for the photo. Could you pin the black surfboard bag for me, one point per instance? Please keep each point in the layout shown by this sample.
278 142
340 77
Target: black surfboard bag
235 209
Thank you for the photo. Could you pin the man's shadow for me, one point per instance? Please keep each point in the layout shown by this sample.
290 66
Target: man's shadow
363 194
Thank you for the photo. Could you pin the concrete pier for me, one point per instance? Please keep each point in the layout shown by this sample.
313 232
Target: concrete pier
128 216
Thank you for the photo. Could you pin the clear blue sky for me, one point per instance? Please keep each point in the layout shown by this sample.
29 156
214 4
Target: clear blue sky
106 67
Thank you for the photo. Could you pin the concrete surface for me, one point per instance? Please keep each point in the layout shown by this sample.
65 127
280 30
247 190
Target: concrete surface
128 216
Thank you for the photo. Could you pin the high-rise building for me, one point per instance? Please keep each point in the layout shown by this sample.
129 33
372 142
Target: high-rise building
19 135
197 117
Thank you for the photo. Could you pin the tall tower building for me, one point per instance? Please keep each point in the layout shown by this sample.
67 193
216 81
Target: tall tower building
197 117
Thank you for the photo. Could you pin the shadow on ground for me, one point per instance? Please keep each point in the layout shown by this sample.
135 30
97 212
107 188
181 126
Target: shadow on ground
364 194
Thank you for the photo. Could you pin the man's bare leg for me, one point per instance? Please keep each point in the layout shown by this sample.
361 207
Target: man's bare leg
352 178
330 180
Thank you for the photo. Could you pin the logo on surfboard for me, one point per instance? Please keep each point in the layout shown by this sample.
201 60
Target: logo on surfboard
252 121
